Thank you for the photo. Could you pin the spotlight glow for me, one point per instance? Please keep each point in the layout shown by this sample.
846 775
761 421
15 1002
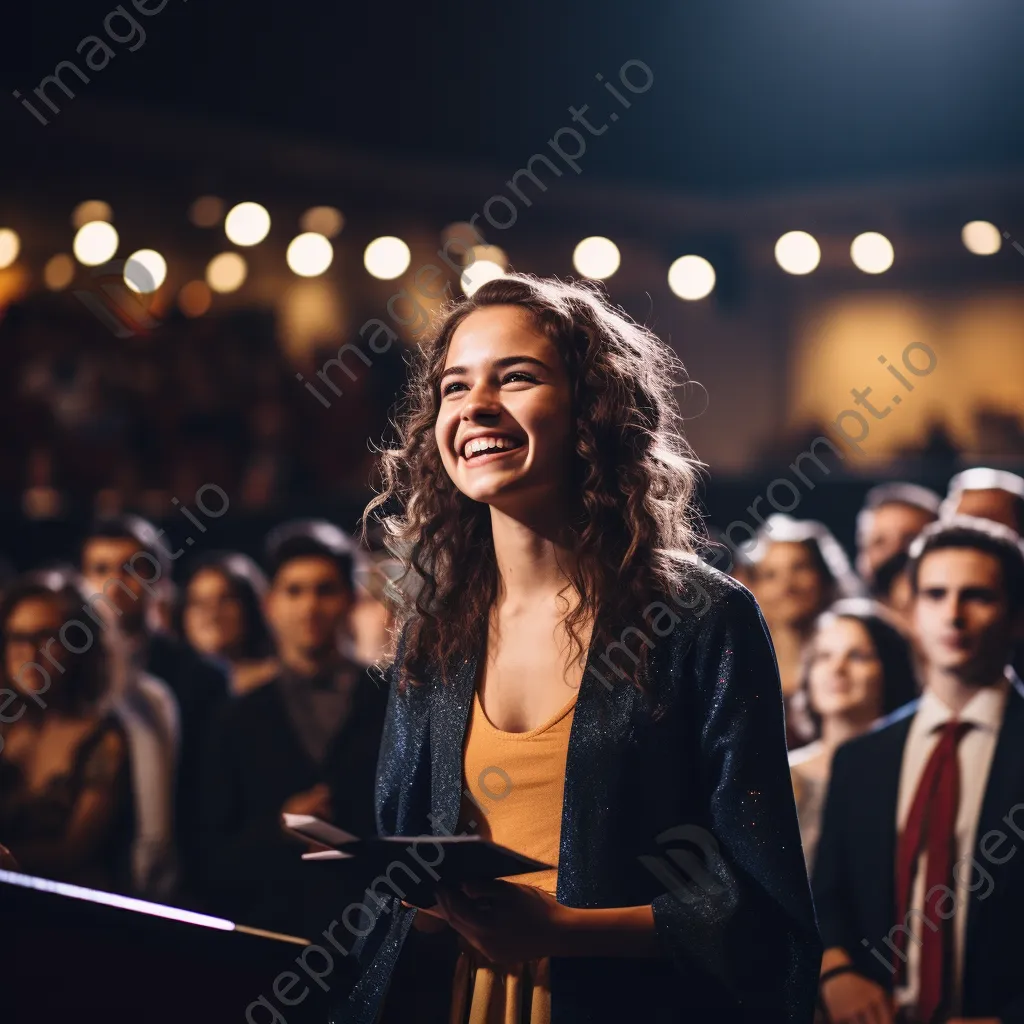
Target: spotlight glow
387 258
491 253
797 252
59 272
206 211
323 220
309 254
247 224
95 243
91 209
596 257
981 237
10 246
691 278
479 272
226 272
194 298
145 271
872 253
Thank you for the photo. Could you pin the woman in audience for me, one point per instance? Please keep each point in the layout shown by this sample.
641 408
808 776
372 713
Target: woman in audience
65 792
799 569
858 667
221 615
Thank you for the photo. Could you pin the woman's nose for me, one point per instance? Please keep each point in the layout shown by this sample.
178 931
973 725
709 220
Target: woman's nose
480 403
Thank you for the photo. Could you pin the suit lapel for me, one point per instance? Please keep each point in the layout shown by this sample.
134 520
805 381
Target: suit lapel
879 824
1005 781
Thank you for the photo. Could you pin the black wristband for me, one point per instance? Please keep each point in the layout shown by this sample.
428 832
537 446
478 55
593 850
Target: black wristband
834 972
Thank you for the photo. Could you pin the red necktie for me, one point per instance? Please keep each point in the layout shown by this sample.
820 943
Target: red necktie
931 826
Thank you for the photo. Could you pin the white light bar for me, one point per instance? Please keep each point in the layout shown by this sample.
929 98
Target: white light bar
109 899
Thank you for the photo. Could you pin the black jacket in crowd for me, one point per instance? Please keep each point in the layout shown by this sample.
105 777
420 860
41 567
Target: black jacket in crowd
855 868
253 871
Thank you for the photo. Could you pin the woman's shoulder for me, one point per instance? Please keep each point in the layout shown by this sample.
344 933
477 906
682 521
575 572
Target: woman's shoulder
702 598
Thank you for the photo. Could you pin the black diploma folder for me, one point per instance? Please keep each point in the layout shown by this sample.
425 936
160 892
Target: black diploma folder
412 865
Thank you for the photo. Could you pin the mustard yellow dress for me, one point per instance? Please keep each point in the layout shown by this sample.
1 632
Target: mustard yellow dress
516 781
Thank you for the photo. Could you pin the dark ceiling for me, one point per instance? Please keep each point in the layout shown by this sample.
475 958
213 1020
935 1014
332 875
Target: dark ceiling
746 96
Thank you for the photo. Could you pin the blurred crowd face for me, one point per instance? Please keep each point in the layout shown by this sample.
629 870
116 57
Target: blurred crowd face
31 624
309 607
901 599
999 506
846 675
789 585
890 529
103 567
527 402
213 619
961 615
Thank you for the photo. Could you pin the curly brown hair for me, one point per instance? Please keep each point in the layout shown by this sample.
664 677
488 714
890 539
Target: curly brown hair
633 526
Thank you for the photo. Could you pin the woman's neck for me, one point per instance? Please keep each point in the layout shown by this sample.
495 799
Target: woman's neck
837 729
530 561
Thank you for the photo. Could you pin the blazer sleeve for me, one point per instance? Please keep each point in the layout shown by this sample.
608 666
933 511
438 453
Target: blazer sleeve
749 922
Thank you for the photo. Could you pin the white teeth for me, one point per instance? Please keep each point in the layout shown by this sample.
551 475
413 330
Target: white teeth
483 444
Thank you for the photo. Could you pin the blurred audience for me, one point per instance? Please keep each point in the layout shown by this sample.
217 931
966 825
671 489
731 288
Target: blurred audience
858 667
122 559
304 743
111 422
220 613
993 494
909 930
892 515
371 617
799 569
65 785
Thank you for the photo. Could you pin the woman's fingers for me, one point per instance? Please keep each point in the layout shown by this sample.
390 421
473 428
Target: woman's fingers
482 890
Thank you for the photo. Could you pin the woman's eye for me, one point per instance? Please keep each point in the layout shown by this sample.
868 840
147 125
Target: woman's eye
518 373
448 387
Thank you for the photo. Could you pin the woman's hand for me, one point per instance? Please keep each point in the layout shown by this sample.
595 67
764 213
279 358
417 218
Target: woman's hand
505 922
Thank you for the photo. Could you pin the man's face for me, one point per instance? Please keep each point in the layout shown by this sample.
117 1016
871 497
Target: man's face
890 529
961 615
103 565
308 606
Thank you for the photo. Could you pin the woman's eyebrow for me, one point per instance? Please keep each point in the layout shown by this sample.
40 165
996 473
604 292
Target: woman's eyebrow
499 363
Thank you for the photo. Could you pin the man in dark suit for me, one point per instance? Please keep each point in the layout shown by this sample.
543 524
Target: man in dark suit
919 877
304 743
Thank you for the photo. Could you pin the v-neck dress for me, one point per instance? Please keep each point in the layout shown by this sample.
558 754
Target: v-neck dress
515 783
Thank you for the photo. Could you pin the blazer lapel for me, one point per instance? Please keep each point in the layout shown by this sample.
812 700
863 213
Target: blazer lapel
602 714
1005 780
449 716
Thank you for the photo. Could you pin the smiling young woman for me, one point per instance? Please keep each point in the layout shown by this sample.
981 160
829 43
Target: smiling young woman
546 498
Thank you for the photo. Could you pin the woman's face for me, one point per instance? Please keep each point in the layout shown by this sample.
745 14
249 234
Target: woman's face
505 386
30 626
789 585
213 619
846 676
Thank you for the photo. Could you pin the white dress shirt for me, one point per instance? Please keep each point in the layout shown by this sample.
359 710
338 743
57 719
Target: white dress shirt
985 711
148 710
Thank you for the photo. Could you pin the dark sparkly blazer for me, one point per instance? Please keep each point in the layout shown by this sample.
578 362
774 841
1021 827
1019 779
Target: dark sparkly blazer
690 810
